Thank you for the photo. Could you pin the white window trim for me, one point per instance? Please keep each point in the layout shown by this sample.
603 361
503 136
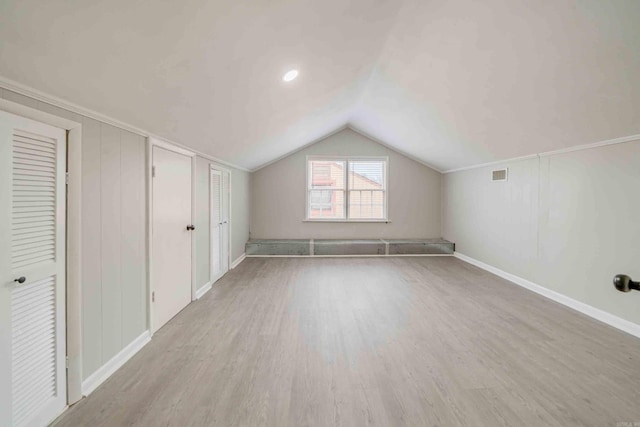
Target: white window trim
348 159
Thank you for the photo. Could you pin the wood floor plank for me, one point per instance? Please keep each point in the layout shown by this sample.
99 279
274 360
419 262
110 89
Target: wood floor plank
372 342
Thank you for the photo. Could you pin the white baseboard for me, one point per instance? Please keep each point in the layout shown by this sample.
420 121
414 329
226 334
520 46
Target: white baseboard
596 313
203 290
237 262
106 370
348 256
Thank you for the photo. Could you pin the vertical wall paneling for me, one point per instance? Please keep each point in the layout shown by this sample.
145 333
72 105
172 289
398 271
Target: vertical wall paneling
566 222
111 206
91 248
132 243
202 232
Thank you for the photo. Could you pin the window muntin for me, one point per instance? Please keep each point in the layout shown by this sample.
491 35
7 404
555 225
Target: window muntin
347 189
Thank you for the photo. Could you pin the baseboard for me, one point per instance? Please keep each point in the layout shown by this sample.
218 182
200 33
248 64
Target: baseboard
237 262
116 362
203 290
348 256
596 313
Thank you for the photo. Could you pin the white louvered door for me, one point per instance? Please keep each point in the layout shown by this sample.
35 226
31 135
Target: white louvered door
32 245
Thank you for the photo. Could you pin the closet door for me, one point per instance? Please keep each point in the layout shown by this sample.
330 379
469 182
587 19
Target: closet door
216 225
32 271
226 221
172 233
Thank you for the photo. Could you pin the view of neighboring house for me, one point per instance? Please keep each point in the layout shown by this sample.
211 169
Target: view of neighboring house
365 190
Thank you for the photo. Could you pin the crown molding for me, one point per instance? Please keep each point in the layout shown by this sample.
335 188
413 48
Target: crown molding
86 112
604 143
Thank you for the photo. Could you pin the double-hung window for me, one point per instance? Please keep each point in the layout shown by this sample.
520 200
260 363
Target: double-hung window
347 188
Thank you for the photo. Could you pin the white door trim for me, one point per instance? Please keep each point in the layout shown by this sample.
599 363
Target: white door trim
153 142
73 290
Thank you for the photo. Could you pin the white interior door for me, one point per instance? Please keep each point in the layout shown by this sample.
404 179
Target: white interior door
219 223
32 271
226 221
171 249
216 225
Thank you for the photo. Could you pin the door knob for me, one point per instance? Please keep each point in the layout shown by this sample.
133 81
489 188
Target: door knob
623 283
191 227
20 279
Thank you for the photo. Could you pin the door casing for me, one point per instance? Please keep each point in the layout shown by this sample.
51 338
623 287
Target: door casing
73 238
154 142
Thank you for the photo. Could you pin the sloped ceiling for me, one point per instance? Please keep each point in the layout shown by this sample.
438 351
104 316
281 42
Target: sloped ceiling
452 83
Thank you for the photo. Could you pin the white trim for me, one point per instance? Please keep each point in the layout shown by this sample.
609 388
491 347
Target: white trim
38 115
69 106
73 239
116 362
386 221
194 249
613 141
347 162
151 143
171 147
595 313
349 256
203 290
237 262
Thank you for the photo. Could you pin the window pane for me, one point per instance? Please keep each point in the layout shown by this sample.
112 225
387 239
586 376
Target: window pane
366 175
367 185
327 204
366 204
326 174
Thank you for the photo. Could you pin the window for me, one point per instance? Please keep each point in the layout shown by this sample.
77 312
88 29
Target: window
347 189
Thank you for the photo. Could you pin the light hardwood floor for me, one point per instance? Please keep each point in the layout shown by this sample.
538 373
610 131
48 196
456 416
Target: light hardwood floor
372 341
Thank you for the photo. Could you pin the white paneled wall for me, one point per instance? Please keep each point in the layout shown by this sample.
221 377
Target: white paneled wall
114 241
114 302
567 222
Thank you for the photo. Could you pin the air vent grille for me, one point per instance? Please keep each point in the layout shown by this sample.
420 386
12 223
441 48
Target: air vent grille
499 175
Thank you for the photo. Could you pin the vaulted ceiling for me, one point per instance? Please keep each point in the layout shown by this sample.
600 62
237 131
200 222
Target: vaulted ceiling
452 83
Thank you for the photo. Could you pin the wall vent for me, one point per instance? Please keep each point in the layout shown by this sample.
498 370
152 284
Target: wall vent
499 174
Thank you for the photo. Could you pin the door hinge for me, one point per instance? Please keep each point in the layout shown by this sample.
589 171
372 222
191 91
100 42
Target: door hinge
66 362
66 178
153 297
153 171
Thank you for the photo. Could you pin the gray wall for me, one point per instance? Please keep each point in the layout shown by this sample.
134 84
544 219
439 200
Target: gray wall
239 216
114 303
279 195
568 222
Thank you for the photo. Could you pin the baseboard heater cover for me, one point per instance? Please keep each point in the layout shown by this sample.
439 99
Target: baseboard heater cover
348 247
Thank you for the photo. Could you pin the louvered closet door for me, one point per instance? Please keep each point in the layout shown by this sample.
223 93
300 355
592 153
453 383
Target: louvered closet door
32 232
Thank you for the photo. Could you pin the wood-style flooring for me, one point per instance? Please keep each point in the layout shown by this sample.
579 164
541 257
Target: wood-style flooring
372 341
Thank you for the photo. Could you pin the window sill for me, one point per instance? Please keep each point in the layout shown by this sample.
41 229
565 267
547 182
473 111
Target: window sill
384 221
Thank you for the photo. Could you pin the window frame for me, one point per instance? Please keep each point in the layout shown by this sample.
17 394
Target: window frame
347 187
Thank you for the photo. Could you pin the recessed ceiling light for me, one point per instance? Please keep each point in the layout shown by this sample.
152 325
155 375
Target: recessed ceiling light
290 75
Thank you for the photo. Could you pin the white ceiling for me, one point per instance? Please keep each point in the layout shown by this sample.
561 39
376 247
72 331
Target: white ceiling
452 83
